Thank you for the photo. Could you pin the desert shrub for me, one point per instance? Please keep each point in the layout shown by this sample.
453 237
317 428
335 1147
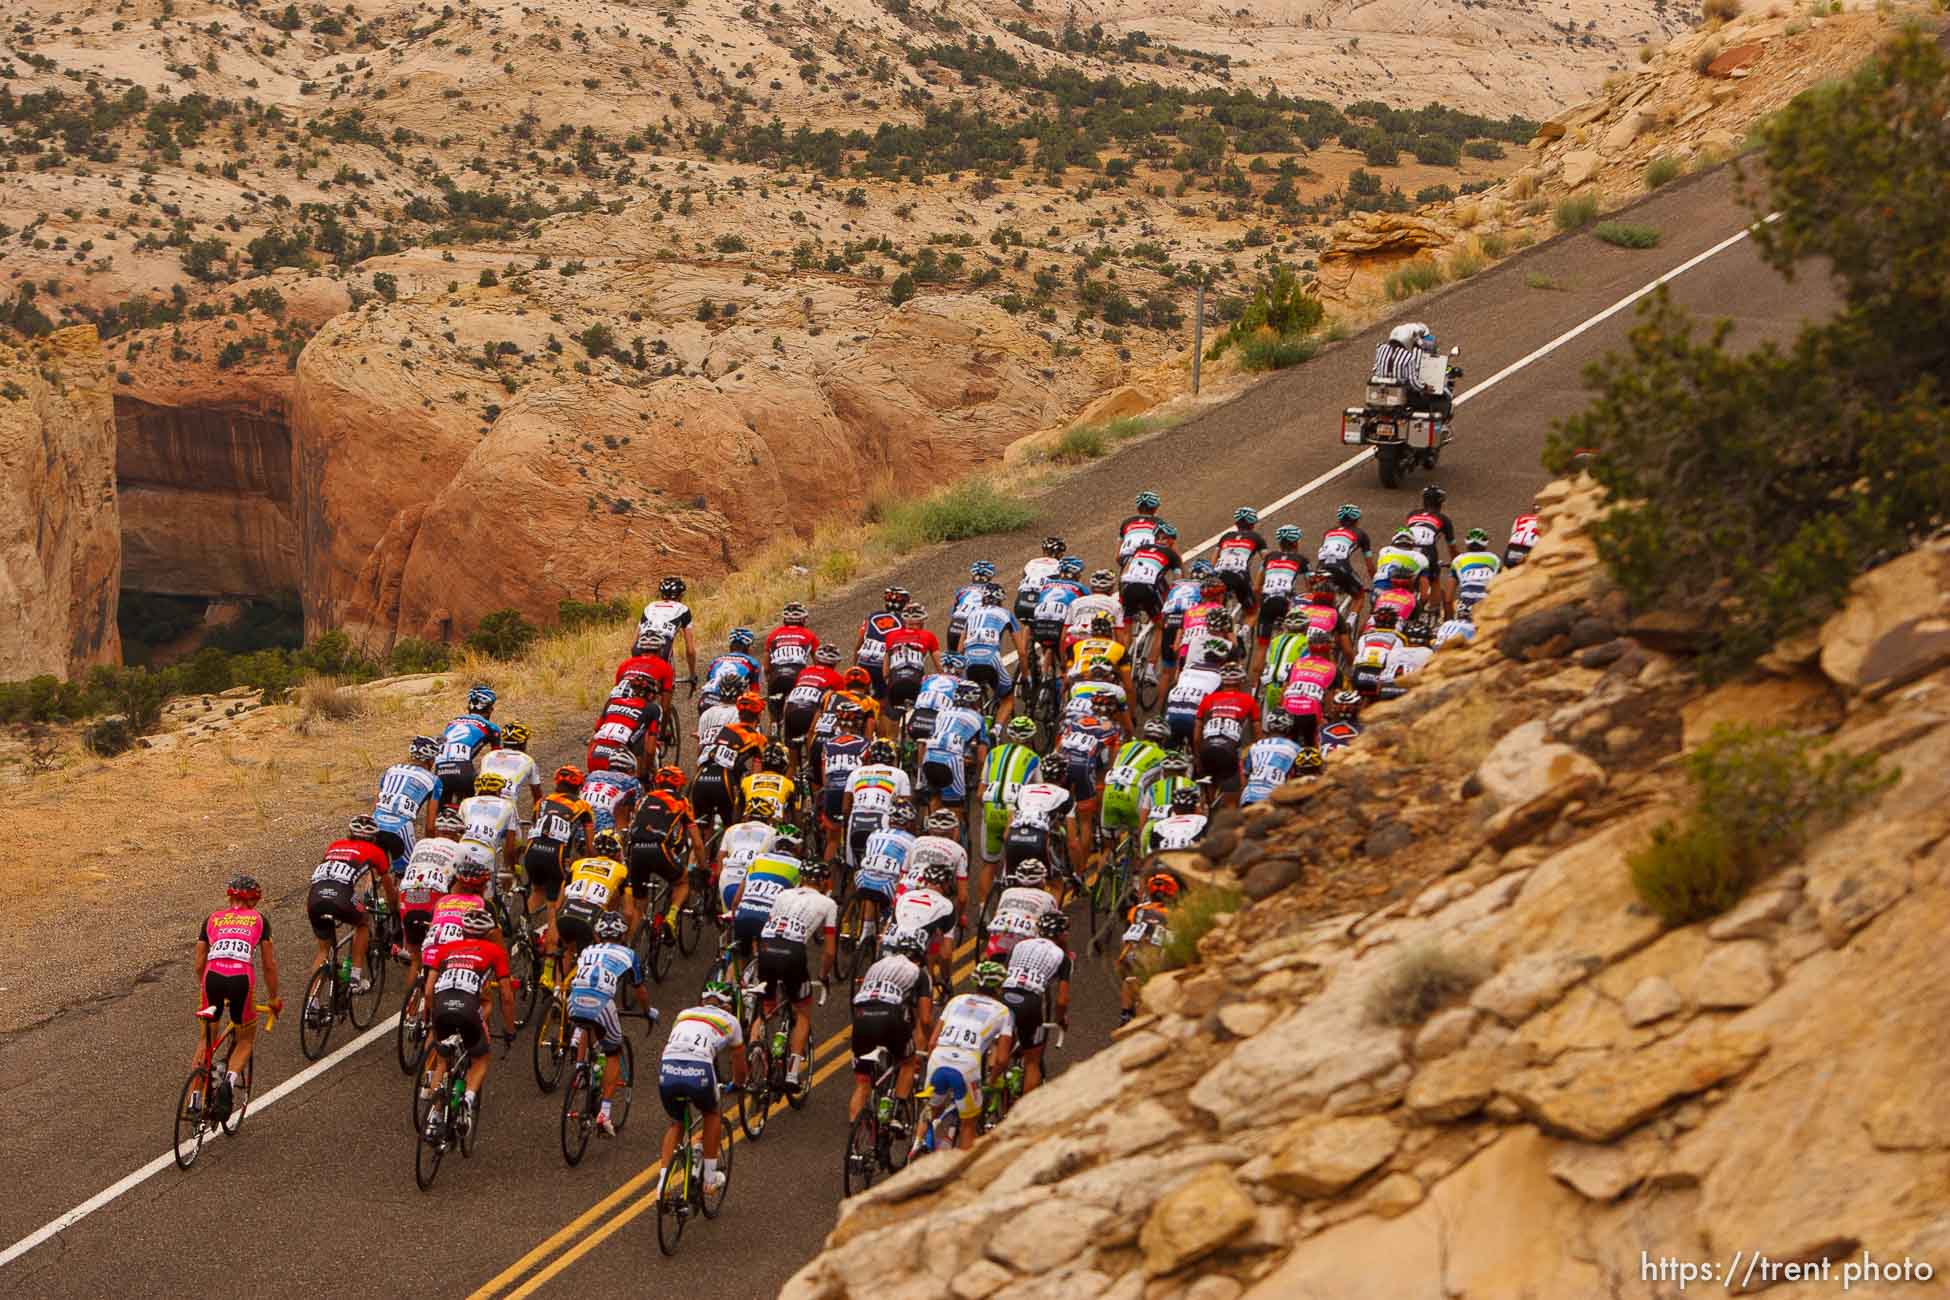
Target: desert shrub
1626 234
1268 351
109 737
1575 212
1759 794
502 634
1197 912
328 699
972 508
901 289
1463 263
1418 276
1080 442
1279 308
1495 246
412 655
1661 171
1720 11
1420 983
1539 280
571 615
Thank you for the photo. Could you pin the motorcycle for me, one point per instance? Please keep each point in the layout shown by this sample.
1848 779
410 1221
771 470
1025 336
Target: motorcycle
1404 437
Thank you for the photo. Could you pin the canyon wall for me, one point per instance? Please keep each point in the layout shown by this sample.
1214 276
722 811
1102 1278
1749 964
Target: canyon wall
60 553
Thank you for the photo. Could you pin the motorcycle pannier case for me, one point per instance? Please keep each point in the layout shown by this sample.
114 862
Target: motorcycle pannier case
1422 431
1351 426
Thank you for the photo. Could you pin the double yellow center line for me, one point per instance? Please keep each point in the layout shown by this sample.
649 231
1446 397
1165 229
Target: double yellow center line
600 1221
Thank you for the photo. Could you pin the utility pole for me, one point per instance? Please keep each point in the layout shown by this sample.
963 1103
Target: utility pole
1198 335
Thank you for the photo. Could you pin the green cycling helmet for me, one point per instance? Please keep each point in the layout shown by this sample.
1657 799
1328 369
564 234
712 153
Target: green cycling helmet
1022 729
988 975
1477 537
718 993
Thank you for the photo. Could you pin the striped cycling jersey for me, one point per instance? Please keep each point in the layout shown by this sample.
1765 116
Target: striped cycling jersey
1135 762
1008 769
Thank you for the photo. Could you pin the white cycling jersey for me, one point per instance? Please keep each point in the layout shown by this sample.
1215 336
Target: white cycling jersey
801 915
699 1034
1034 964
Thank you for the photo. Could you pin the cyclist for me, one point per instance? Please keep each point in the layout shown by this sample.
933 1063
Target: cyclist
664 841
228 943
473 874
1174 774
883 867
809 690
646 657
1147 569
1279 575
1130 771
492 818
981 643
800 917
603 969
612 792
1138 529
855 692
1429 529
1009 767
937 692
740 844
721 766
1188 694
1524 530
834 759
1037 825
1052 611
595 886
1472 571
929 910
1239 546
1373 650
771 873
1323 613
870 651
1401 574
871 790
689 1076
428 878
1036 990
911 651
1035 575
1270 760
1180 596
563 825
1144 927
457 974
1338 547
627 725
789 647
1099 642
1178 828
939 847
668 618
770 780
409 795
1225 729
1082 754
967 597
894 1003
971 1042
1081 617
1024 901
513 765
732 673
651 688
960 738
462 742
1312 679
333 897
1282 652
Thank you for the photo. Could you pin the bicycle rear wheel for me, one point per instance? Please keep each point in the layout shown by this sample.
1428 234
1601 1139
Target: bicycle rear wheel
317 1016
189 1129
579 1102
427 1154
674 1201
551 1048
708 1202
690 917
756 1100
619 1105
852 936
906 1114
662 945
364 1007
240 1096
471 1135
862 1160
410 1035
525 965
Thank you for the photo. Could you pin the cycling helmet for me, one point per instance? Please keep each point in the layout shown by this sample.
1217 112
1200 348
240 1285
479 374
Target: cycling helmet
1403 537
1184 799
1296 621
827 656
914 612
570 775
608 843
1245 517
1022 730
904 814
1477 537
490 783
1168 531
1433 496
982 570
1310 761
1177 763
718 993
1348 514
633 686
478 923
1211 586
668 777
1054 547
952 663
881 751
362 828
671 588
1070 566
750 704
794 613
243 888
515 735
1201 568
620 760
1147 500
992 595
1102 581
648 643
1279 722
988 975
894 597
815 873
969 693
611 927
480 699
1100 668
1031 872
423 749
911 944
762 808
940 877
1287 534
1321 584
1319 639
774 756
1157 729
1220 621
475 866
1052 924
1161 887
1101 624
1386 616
790 842
1417 632
857 678
1349 701
449 823
943 823
1232 677
740 638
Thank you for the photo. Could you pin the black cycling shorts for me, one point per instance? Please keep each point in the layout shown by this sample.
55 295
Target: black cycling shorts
1046 631
456 782
652 859
777 687
1021 843
903 688
782 966
1220 761
1272 613
328 903
543 863
460 1013
1000 685
798 720
1026 1005
229 994
711 797
1239 585
575 923
881 1024
920 724
414 926
1139 598
1080 779
1342 572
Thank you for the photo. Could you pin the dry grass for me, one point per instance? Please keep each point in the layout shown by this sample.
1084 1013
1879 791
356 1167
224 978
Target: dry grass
327 699
1522 186
1420 983
1468 215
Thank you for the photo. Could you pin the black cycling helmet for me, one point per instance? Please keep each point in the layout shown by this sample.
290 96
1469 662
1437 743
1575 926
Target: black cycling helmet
1319 639
894 598
478 923
1054 547
1433 496
881 751
940 877
1279 722
992 595
671 588
1386 616
1184 800
774 757
610 927
1157 729
911 944
815 873
1052 924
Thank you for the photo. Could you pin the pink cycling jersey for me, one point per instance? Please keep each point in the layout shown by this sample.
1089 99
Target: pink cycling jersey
445 927
233 934
1307 685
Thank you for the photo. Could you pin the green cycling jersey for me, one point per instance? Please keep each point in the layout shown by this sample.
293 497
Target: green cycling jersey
1007 769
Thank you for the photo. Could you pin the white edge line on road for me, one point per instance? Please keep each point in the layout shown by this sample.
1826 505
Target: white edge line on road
306 1075
168 1158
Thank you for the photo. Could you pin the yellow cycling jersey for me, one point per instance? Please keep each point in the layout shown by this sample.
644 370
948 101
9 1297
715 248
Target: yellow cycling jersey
1095 647
596 880
768 785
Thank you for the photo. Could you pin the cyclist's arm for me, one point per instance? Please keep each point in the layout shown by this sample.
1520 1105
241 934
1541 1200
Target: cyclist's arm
270 974
690 652
507 986
1063 1002
202 960
829 945
999 1052
738 1073
697 845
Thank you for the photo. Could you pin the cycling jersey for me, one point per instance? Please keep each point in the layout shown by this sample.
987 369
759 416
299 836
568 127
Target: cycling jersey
937 692
872 653
730 750
771 873
736 849
931 851
1400 599
1339 544
1129 770
1523 536
730 675
1371 653
516 770
908 649
967 600
1145 923
1098 699
1238 548
895 981
1053 606
700 1033
609 796
1035 575
924 911
957 731
982 638
597 882
1179 597
665 618
1034 965
1307 686
788 648
1076 621
1148 565
711 722
1225 718
809 691
883 862
1405 659
1425 526
1158 793
601 969
1278 574
1008 768
429 875
833 763
446 925
1268 764
1282 652
801 915
1187 695
557 818
1474 570
1040 806
663 822
464 738
462 967
489 818
1135 531
1084 748
1399 564
1095 647
655 667
875 786
234 934
1173 832
404 789
769 785
1017 909
970 1025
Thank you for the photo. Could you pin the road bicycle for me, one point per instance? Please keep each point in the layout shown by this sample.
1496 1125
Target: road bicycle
583 1099
766 1038
551 1044
329 996
683 1195
1144 668
653 941
449 1123
411 1033
199 1111
670 728
1110 886
876 1142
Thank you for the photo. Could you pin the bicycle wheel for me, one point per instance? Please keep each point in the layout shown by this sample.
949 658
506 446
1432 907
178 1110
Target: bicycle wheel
427 1153
709 1202
364 1007
852 937
674 1201
862 1160
471 1135
551 1048
240 1096
318 1016
410 1035
525 965
189 1129
690 917
756 1100
619 1105
421 1105
579 1102
663 949
906 1113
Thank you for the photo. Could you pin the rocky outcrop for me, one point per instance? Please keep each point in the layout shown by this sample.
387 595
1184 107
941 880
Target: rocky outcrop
60 553
1610 1090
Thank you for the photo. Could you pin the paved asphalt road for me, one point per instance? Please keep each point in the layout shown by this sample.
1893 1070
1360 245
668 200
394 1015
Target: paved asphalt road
317 1193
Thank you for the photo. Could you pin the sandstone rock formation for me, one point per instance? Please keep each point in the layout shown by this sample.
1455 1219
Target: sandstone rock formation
60 553
1768 1081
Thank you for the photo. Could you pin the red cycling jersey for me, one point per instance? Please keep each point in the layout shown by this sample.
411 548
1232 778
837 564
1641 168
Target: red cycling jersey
1229 704
908 649
463 966
364 852
788 648
655 667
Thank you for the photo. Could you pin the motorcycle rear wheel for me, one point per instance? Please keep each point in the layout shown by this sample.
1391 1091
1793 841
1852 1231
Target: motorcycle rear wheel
1388 460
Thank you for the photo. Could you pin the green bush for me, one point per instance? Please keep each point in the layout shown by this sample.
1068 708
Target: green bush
901 289
1627 235
571 615
972 508
1420 983
1758 797
1279 304
1419 276
1197 912
502 634
1576 212
412 655
1661 170
1079 443
1261 353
